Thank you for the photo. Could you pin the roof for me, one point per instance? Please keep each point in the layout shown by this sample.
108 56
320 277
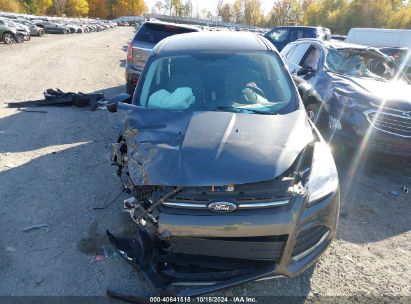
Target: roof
213 41
299 26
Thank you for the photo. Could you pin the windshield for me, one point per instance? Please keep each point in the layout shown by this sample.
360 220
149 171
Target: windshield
253 82
360 63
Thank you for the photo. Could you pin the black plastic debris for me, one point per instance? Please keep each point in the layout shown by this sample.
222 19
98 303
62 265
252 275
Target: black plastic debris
59 98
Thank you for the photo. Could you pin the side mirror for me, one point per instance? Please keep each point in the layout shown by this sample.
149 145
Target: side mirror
112 103
305 71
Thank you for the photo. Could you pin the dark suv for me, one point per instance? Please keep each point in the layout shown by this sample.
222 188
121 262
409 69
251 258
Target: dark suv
229 179
364 100
281 36
149 34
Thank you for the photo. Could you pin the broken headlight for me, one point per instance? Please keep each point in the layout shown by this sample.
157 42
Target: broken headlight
323 178
348 102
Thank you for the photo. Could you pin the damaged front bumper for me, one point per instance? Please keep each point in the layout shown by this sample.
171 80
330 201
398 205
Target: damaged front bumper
216 251
255 223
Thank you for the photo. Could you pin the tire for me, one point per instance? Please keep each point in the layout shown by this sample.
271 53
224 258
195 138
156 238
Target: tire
130 89
66 32
20 38
7 38
40 33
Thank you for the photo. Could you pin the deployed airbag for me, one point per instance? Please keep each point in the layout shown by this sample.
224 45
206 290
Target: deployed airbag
180 99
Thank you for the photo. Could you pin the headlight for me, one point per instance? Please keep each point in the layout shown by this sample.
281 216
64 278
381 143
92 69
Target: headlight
323 178
348 102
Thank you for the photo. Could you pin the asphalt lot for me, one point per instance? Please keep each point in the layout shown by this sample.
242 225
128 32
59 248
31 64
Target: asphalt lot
54 169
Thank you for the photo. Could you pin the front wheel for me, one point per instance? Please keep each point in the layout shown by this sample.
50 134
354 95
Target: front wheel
8 38
19 38
41 33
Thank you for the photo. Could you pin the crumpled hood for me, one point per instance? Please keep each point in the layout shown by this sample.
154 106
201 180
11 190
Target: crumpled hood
391 93
181 148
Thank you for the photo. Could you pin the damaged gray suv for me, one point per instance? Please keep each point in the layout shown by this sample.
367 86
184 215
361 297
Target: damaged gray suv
229 179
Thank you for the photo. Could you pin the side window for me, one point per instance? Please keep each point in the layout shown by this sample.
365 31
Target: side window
298 53
288 50
312 58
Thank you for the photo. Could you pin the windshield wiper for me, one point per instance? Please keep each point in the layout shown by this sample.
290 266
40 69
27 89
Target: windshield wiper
242 110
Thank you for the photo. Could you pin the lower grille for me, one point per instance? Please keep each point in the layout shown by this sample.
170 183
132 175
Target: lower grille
395 124
309 238
249 248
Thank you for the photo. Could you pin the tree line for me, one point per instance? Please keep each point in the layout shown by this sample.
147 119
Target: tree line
76 8
338 15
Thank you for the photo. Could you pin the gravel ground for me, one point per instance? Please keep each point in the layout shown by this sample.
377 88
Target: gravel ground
54 170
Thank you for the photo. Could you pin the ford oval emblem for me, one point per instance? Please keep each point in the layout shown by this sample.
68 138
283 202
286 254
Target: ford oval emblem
222 206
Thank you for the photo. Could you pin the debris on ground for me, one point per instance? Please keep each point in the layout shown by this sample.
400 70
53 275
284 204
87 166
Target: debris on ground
33 227
61 99
109 251
31 111
10 249
404 189
393 193
100 257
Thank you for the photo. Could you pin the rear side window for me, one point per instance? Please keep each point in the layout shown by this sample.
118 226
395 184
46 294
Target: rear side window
296 34
154 33
297 55
288 50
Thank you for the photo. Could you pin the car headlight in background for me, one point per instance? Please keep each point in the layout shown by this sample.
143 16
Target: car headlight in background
323 178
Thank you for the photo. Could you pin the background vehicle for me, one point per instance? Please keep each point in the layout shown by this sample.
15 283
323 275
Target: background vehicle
73 28
339 37
7 34
385 39
360 91
379 37
149 34
53 28
22 32
221 149
34 29
281 36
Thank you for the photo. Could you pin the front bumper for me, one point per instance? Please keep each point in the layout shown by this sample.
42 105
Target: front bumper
212 248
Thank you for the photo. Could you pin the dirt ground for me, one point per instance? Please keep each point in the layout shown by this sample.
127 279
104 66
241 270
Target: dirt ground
54 169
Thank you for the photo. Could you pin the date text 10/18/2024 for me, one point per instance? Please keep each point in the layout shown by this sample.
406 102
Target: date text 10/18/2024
203 300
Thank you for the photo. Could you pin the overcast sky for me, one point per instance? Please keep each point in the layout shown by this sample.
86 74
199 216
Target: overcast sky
211 5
